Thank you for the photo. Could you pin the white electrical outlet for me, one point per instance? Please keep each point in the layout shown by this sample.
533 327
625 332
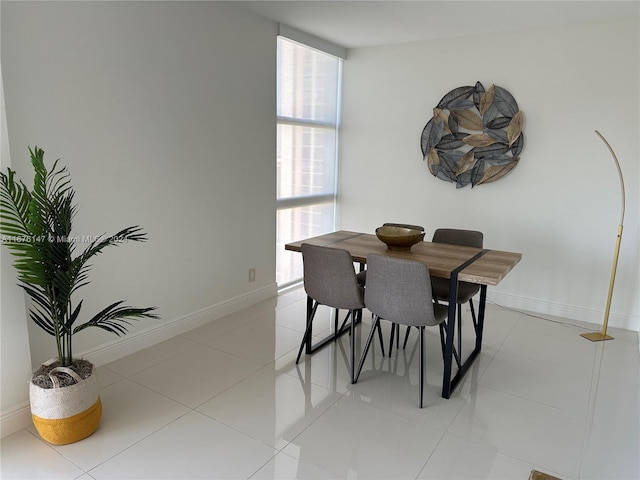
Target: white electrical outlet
252 274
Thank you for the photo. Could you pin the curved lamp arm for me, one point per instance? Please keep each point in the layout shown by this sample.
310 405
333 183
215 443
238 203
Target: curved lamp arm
615 159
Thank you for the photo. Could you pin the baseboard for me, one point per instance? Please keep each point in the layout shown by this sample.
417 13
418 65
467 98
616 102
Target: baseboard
626 322
135 342
15 419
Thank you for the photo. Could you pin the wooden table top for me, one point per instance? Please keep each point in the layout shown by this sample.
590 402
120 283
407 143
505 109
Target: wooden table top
441 258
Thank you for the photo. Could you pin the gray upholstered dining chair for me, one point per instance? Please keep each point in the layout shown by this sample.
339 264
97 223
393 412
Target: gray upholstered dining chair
330 279
395 328
466 290
399 291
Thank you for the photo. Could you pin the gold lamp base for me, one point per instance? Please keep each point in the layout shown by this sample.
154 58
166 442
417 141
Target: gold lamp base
596 336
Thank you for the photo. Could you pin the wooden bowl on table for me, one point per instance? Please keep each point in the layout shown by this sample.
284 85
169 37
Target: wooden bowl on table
399 238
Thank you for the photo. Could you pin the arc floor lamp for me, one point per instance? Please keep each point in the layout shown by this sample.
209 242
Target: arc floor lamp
599 336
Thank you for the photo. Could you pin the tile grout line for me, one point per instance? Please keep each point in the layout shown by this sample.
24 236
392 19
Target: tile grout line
593 393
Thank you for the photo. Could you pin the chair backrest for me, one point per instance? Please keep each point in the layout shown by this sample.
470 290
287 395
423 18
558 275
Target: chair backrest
329 277
399 290
466 238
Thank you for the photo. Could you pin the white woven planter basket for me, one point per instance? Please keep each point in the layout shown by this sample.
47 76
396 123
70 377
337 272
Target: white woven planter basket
66 414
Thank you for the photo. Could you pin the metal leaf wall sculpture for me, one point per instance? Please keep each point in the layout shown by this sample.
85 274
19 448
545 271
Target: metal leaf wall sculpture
474 137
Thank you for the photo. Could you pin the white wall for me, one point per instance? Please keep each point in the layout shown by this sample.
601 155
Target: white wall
15 366
560 207
164 113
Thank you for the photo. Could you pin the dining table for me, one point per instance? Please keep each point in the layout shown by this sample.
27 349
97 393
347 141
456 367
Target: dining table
481 266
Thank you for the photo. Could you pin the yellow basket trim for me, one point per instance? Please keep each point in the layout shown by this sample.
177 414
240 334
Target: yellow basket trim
71 429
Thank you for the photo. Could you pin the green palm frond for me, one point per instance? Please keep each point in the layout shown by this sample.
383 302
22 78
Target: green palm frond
34 222
115 318
36 226
68 326
14 206
15 201
42 321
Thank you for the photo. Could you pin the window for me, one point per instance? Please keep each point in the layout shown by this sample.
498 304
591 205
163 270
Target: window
308 111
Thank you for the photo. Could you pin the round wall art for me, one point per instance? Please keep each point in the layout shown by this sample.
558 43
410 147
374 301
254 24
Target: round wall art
474 137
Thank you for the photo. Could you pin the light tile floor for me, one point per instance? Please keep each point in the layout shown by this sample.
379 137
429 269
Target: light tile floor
227 401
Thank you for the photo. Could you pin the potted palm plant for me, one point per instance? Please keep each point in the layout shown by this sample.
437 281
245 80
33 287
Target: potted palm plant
36 227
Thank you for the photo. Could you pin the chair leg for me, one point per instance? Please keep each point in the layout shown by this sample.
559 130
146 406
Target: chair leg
344 322
394 327
376 323
421 366
355 316
442 339
406 337
307 333
457 352
379 328
473 313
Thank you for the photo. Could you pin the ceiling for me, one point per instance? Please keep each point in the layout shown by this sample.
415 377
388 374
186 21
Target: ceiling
363 23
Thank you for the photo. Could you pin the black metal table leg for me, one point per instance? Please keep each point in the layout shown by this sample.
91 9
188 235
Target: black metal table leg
450 329
449 384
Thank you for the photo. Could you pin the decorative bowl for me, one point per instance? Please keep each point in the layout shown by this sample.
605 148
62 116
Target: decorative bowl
399 238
